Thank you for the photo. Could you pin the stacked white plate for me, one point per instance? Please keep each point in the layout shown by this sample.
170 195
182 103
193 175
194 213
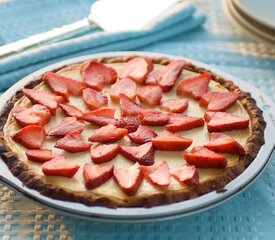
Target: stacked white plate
256 17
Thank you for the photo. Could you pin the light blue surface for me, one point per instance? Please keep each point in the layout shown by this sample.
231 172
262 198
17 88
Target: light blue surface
250 215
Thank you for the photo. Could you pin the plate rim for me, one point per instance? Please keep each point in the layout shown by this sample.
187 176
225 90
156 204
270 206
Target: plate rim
183 208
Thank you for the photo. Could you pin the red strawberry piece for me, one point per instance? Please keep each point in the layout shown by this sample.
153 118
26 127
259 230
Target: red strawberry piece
153 77
94 99
154 118
128 107
204 158
101 153
220 142
101 117
158 174
218 101
221 121
183 122
170 74
97 75
56 83
143 154
171 142
47 99
150 95
41 155
187 174
72 143
108 134
71 111
131 123
125 86
32 136
63 85
194 87
58 166
129 179
142 135
137 69
175 105
95 175
65 126
34 115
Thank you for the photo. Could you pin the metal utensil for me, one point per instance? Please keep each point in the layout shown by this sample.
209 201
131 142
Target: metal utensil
108 15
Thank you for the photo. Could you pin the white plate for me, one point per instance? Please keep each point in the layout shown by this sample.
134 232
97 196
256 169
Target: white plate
140 214
249 26
262 11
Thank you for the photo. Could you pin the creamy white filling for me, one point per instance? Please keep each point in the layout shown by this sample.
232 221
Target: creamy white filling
110 188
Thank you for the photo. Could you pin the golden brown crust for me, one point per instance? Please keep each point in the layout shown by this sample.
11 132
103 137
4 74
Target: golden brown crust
33 181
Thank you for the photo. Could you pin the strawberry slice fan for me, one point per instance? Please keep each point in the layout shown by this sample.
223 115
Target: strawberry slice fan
121 130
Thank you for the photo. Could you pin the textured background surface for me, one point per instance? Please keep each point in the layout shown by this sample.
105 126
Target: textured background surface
250 215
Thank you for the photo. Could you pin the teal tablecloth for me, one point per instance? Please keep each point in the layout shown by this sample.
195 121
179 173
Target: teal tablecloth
250 215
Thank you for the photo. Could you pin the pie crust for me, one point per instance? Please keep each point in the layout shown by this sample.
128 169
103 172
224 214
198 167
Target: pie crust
34 181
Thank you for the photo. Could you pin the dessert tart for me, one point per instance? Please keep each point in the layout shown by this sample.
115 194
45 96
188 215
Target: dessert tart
130 131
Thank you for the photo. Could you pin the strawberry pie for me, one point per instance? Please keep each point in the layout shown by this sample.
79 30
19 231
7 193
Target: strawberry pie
130 131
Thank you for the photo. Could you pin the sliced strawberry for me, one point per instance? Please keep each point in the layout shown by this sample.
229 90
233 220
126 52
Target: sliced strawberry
101 153
94 99
220 142
34 115
158 174
154 118
218 101
221 121
71 111
170 74
65 126
58 166
41 156
63 85
72 143
136 69
108 134
187 174
124 86
47 99
153 77
171 142
143 154
128 107
204 158
183 122
31 137
96 75
101 117
131 123
56 83
150 95
75 87
129 179
175 105
194 87
142 135
95 175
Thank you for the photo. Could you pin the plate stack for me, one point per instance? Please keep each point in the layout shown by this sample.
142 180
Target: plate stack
255 17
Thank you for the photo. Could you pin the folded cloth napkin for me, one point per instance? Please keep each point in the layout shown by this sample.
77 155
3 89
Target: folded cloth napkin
181 19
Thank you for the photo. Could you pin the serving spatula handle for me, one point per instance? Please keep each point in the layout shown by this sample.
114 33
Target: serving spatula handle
40 38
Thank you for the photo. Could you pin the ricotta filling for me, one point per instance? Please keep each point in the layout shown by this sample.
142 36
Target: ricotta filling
110 188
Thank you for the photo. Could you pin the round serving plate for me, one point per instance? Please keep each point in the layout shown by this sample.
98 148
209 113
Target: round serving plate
249 25
140 214
260 11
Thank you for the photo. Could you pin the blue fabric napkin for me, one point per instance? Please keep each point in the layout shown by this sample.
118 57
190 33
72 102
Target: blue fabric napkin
14 67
